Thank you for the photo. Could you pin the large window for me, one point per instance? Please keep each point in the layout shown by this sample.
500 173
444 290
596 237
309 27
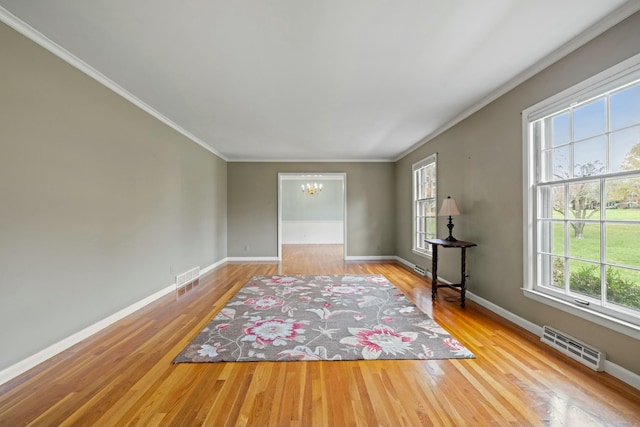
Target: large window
582 163
424 204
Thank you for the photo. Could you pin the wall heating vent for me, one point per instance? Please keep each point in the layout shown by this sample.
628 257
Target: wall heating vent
187 277
420 270
573 348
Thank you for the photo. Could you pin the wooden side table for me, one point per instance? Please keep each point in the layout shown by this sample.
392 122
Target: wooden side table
462 286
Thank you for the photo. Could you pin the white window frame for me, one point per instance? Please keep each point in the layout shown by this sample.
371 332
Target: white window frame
419 246
620 75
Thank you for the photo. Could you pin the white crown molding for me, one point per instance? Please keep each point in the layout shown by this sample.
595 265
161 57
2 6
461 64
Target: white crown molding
302 160
581 39
39 38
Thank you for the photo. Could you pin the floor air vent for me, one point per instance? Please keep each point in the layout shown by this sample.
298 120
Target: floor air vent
420 270
573 348
187 277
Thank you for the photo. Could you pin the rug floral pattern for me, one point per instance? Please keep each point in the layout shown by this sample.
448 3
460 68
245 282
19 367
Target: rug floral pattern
323 317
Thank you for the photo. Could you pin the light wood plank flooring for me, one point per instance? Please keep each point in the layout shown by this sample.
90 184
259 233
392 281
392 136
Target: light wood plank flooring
124 376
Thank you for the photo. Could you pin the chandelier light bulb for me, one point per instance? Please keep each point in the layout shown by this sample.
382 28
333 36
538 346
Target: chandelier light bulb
311 188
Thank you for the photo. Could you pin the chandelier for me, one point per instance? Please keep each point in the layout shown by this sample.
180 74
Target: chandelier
311 188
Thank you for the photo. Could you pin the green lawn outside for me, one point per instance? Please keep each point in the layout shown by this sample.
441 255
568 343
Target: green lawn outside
623 241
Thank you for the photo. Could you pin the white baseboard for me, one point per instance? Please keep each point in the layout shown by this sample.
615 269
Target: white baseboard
213 266
24 365
252 259
513 318
371 258
13 371
610 368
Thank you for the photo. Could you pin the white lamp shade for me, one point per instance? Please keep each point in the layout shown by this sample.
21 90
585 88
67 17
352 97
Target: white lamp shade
449 207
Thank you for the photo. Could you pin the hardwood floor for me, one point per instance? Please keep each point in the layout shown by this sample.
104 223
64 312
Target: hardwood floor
124 376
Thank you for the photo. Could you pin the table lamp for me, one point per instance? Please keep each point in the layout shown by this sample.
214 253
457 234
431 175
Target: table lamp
449 208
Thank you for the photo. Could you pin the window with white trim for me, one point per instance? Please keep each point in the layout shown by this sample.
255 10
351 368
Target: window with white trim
424 204
582 198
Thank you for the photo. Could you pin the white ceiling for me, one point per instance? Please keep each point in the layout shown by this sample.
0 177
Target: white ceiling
299 80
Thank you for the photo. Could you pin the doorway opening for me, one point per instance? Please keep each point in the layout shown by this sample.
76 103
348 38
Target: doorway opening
312 209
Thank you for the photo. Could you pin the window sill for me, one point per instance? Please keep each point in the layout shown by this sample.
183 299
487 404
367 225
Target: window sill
617 325
422 254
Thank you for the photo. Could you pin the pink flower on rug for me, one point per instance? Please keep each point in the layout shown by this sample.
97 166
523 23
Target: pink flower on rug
336 289
453 344
274 331
284 280
380 339
381 280
302 352
264 303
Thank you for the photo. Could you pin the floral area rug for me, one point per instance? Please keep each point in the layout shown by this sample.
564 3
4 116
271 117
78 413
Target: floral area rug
332 317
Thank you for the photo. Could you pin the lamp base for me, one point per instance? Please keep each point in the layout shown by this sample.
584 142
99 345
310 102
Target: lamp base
450 227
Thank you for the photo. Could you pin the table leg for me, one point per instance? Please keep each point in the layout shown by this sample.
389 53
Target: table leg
463 280
434 272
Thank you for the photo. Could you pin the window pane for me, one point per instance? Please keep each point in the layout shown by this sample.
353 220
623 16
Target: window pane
558 202
558 237
551 237
424 174
550 271
545 236
584 278
551 202
584 199
623 199
590 157
623 287
558 272
420 181
625 107
584 240
590 120
431 180
555 164
625 149
431 207
431 228
560 131
621 242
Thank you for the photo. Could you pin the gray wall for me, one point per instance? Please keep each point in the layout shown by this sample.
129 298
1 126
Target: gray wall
98 201
253 206
480 164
